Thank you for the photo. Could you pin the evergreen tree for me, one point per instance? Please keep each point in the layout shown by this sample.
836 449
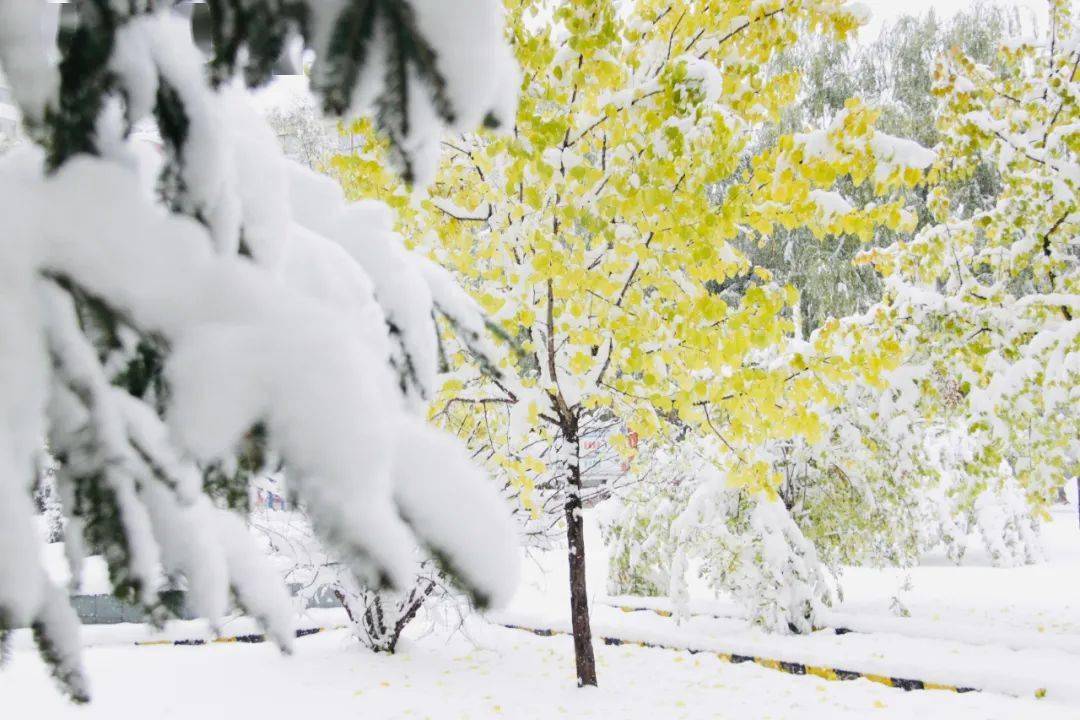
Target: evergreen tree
171 344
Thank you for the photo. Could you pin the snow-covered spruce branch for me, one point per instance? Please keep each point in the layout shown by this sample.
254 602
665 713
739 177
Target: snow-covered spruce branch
168 346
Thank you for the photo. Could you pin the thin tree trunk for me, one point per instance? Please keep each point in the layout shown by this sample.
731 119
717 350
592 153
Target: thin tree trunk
575 526
579 597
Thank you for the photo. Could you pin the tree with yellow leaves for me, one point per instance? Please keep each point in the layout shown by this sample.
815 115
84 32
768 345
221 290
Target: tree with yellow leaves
599 233
989 296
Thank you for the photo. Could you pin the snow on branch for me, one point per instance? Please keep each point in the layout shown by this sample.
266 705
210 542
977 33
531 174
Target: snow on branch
172 346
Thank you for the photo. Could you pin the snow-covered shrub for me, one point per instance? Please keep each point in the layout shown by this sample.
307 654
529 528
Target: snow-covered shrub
749 546
740 543
636 525
790 585
172 345
993 507
378 616
860 492
1005 527
853 495
951 525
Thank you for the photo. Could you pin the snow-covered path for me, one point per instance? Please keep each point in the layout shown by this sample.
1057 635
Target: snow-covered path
986 666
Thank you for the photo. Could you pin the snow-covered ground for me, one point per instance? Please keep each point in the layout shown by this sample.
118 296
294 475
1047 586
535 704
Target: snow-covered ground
1012 633
505 674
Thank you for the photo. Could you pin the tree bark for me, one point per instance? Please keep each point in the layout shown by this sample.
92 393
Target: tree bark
579 597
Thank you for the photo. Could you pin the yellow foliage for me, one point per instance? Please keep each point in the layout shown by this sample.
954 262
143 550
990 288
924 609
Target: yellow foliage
601 248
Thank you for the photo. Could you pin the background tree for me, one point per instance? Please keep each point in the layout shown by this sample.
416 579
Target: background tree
304 135
904 465
988 295
891 73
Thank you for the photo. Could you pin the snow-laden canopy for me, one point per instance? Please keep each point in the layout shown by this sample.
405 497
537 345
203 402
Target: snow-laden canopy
167 347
